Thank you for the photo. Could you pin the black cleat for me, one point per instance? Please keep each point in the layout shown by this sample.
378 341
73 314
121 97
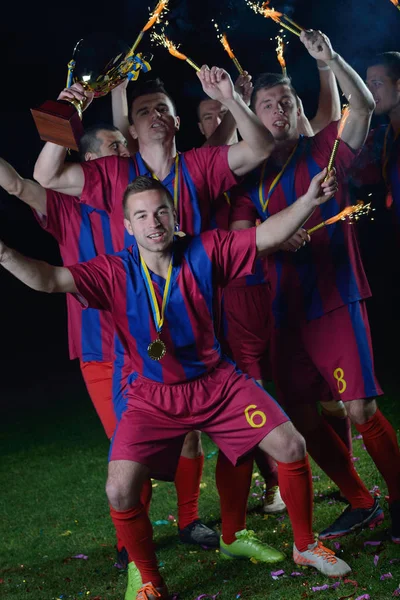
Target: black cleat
395 516
351 521
199 534
122 557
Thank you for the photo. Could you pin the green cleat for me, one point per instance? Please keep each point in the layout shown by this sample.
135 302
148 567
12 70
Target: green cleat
247 545
134 582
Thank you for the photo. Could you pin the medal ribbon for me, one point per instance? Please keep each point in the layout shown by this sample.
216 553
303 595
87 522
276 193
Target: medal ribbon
176 182
158 317
263 202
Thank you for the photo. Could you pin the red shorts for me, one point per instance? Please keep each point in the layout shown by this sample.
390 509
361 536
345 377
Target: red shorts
247 328
324 359
227 405
98 378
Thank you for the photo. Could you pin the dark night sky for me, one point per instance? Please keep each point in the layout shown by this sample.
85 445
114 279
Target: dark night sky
36 42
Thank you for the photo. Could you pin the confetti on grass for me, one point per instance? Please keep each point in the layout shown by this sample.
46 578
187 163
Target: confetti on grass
82 556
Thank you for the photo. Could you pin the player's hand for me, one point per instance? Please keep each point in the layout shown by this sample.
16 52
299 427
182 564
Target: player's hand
297 241
320 191
77 92
244 87
3 249
216 83
318 45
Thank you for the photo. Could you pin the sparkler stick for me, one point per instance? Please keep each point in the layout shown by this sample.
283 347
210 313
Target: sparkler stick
153 18
352 213
345 116
280 18
162 40
279 54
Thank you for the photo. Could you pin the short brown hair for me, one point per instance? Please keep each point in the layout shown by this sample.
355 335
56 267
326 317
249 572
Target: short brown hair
267 81
145 184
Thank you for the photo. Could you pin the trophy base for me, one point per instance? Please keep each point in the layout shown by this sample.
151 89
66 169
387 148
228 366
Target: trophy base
58 122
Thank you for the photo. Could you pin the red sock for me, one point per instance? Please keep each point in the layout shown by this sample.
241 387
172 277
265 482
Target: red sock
233 484
136 533
329 452
342 426
296 488
267 467
145 499
187 484
381 442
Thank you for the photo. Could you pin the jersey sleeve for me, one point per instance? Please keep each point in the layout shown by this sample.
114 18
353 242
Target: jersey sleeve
94 281
322 145
59 209
209 169
233 253
242 207
367 169
102 187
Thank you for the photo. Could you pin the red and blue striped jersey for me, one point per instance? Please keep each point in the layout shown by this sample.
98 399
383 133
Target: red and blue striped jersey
327 273
201 264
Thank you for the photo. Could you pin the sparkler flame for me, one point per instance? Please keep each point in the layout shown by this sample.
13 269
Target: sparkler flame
155 14
395 2
162 40
225 43
280 18
279 51
351 213
343 120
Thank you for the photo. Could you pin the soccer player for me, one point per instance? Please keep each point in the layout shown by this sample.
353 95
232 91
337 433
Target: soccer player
321 341
195 178
160 293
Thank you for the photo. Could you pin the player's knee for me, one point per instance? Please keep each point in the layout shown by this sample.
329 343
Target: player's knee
360 411
192 447
296 448
334 408
119 495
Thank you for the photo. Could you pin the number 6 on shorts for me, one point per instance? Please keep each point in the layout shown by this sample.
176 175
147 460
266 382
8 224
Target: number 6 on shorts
250 418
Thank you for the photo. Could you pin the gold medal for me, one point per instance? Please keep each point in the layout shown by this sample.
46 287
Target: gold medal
156 349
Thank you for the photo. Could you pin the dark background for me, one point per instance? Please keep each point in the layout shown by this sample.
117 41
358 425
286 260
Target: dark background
36 44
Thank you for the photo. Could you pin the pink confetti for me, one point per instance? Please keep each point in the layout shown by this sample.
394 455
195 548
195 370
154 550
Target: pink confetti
316 477
296 574
320 588
171 518
207 596
276 574
363 597
394 560
376 558
81 556
357 437
118 566
386 576
355 458
396 592
371 543
337 545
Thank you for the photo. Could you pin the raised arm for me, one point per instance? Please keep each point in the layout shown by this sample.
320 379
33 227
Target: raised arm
271 235
51 170
36 274
226 130
26 190
329 100
359 97
257 142
120 114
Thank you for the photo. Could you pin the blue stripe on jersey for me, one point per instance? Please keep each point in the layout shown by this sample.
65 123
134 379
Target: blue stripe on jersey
118 397
91 330
194 199
107 237
202 270
364 351
258 277
346 282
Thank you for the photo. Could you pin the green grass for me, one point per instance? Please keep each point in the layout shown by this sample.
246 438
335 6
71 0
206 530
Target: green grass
53 507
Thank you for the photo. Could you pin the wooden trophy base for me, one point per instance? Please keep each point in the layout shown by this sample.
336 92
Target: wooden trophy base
58 122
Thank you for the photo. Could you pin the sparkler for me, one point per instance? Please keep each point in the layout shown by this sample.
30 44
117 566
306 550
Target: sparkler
396 3
345 116
278 17
350 213
279 54
154 17
224 41
162 40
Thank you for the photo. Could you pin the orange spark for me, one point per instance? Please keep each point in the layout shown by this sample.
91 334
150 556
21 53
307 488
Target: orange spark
270 13
157 11
172 49
345 116
225 43
395 2
351 213
279 52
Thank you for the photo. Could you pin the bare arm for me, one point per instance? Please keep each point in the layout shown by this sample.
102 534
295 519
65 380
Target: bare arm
271 235
359 97
26 190
257 143
36 274
120 113
329 99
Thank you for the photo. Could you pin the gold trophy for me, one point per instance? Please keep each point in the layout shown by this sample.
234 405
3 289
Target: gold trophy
60 121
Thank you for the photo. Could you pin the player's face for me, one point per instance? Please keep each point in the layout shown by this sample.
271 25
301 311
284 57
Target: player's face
386 93
211 113
151 219
153 118
277 109
113 143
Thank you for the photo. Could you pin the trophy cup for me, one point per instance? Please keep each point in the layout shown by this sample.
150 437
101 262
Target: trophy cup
60 121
